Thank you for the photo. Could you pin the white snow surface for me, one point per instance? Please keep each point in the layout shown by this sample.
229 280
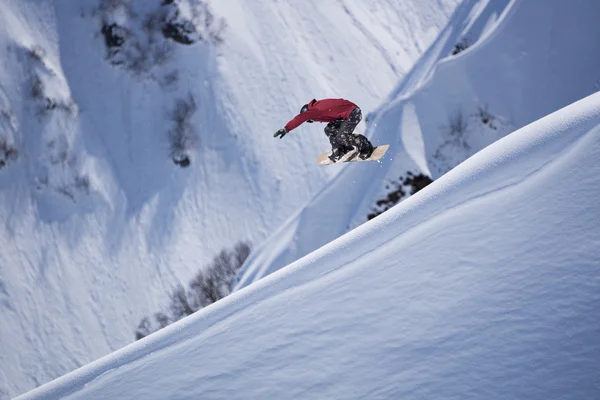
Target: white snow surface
485 284
96 223
526 59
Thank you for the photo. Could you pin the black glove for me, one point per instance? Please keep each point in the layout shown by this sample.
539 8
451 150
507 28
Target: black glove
281 133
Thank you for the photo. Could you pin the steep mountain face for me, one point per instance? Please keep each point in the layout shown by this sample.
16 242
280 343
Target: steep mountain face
496 67
483 285
136 143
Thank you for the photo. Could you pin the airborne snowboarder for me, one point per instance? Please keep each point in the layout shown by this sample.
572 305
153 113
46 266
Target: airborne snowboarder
342 117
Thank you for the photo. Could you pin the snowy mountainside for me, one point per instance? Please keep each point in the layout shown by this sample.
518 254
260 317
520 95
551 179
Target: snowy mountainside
490 71
348 49
102 102
483 285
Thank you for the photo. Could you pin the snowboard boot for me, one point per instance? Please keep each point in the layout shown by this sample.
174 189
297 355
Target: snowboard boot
339 152
366 152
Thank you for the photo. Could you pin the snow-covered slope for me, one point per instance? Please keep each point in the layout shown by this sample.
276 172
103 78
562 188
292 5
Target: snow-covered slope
483 285
523 60
96 221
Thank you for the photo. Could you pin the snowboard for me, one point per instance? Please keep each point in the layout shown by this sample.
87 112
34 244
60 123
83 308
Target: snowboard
352 156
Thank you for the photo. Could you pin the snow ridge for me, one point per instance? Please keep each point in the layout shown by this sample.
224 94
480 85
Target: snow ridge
507 297
449 107
132 151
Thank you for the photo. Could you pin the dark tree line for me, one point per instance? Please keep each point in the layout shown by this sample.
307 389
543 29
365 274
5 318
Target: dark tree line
211 283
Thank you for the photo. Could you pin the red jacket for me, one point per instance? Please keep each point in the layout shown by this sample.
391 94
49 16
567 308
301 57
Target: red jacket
325 110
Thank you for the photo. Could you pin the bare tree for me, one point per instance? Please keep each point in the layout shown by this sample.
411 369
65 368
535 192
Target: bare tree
162 320
241 252
183 135
214 282
458 124
8 152
210 285
180 305
486 117
143 329
461 46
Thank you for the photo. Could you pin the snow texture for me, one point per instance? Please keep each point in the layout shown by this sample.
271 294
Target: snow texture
98 98
485 284
524 60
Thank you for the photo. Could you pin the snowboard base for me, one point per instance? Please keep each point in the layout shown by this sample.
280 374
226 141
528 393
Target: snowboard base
352 156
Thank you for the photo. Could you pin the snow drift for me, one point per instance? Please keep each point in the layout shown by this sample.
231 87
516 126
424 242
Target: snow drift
483 285
99 99
497 66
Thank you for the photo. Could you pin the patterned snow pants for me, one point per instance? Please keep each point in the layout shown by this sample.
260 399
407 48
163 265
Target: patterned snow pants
342 139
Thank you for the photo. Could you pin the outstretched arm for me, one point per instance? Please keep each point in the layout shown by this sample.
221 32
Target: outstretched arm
300 119
295 122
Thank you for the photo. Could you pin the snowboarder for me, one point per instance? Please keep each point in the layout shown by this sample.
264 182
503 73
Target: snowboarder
342 117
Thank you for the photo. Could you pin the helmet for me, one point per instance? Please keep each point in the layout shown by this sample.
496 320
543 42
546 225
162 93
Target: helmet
305 109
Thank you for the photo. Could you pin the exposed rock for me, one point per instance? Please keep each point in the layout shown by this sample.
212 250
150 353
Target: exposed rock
412 183
114 35
177 28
